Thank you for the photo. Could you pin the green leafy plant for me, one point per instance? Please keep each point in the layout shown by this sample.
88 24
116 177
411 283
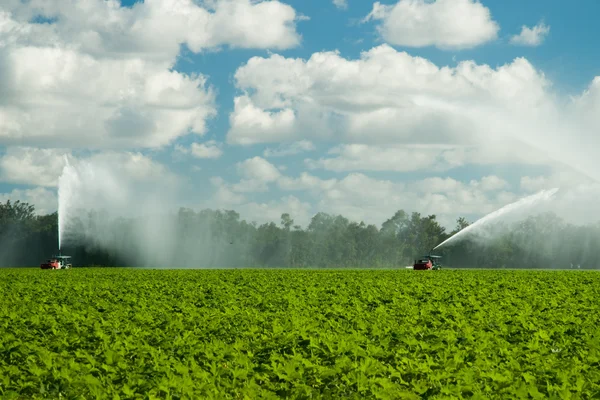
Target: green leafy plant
247 334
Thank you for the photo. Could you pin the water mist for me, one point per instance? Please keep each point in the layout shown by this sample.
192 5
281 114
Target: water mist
119 203
547 132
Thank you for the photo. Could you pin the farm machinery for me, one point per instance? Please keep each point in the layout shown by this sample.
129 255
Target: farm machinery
57 262
428 262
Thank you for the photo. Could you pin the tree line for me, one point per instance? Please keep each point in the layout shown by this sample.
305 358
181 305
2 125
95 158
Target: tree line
221 239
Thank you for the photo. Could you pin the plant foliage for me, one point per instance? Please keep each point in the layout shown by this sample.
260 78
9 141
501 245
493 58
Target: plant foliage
250 334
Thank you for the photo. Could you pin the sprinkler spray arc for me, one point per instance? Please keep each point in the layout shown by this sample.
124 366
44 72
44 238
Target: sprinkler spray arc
61 210
64 200
528 201
60 261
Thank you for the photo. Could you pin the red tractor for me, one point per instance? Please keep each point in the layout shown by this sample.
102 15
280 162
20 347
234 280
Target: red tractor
57 262
428 262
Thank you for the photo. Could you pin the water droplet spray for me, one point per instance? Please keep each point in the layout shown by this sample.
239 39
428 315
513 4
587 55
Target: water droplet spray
519 205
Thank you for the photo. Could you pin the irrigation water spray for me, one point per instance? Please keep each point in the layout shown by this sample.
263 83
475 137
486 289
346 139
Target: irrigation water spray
520 205
117 204
64 197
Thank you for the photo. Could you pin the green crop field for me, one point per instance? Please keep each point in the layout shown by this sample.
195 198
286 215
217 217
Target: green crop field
248 334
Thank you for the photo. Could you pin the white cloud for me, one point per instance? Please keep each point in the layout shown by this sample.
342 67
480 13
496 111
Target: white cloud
271 211
259 169
534 183
155 29
42 167
32 166
134 166
586 114
341 4
437 185
531 36
389 99
210 149
384 97
360 197
251 125
257 173
490 183
409 158
446 24
56 96
290 149
353 157
563 179
224 195
306 182
100 75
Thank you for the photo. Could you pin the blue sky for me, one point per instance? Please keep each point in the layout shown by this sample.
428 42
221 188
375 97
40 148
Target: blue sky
565 55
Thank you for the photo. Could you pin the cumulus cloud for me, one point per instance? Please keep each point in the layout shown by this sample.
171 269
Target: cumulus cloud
353 157
258 168
386 99
446 24
534 183
361 197
210 149
57 96
364 198
435 158
133 166
386 96
100 75
290 149
224 195
154 29
564 179
490 183
251 124
531 36
341 4
32 166
227 196
42 167
256 174
270 211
